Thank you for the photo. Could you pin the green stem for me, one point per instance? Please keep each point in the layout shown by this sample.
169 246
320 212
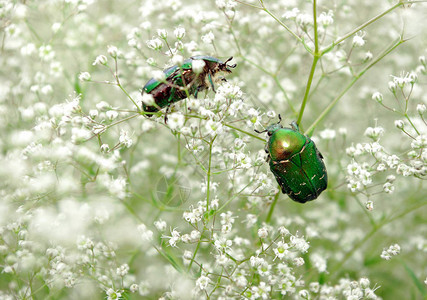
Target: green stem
367 23
316 35
270 212
331 105
307 89
316 58
209 174
194 256
245 132
280 22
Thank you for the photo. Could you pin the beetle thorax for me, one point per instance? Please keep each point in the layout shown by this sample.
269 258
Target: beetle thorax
284 143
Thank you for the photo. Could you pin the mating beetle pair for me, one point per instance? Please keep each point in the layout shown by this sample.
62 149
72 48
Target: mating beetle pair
295 162
180 77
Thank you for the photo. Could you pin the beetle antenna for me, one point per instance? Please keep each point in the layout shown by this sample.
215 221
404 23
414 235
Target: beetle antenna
280 119
265 130
230 66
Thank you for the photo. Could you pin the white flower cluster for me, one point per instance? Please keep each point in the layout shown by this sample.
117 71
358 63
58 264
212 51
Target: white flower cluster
393 250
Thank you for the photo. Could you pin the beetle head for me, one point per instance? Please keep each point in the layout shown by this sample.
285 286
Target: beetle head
272 128
226 68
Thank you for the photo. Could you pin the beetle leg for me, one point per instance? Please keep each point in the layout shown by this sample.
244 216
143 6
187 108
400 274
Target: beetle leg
166 113
294 126
211 82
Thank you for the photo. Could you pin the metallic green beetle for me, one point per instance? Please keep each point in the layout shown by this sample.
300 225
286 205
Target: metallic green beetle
168 92
295 162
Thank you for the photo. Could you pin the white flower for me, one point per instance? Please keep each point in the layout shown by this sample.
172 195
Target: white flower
113 51
358 40
174 238
213 127
281 251
202 282
208 38
292 14
125 139
393 250
421 108
146 234
388 188
84 76
326 19
399 124
198 65
299 243
377 96
122 270
162 33
263 232
222 244
179 32
100 60
112 114
328 134
160 225
113 295
155 44
176 121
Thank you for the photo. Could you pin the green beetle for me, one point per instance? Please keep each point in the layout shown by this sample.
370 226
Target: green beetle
295 162
168 92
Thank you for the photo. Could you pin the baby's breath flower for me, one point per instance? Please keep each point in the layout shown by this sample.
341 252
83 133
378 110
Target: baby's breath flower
328 134
326 19
160 225
299 243
125 139
113 51
203 282
291 14
155 44
179 32
263 232
176 121
393 250
388 187
377 96
112 114
281 251
123 270
358 40
198 65
208 38
368 56
162 33
146 234
46 53
304 294
84 76
421 108
399 124
174 238
113 294
213 127
374 132
100 60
